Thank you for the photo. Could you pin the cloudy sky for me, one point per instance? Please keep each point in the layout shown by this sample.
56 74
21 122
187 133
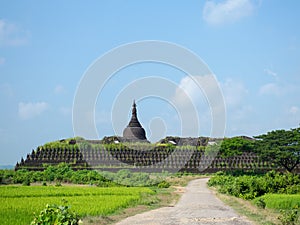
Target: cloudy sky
251 46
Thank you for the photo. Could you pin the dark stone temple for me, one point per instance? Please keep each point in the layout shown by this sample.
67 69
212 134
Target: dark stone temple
134 131
113 153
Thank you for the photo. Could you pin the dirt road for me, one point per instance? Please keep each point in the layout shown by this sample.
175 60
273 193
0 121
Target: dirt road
198 205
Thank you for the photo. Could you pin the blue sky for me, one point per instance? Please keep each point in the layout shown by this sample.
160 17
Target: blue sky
252 47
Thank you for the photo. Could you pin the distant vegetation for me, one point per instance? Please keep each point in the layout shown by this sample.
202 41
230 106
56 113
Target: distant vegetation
278 191
63 173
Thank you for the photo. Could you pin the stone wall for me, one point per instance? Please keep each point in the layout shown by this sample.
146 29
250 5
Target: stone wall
184 158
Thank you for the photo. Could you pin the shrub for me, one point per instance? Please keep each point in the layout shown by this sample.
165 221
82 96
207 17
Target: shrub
260 203
281 201
26 182
56 215
163 184
289 217
250 187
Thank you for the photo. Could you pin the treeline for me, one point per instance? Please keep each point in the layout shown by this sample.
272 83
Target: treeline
63 173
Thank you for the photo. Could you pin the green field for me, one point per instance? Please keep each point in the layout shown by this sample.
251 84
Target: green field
19 203
281 201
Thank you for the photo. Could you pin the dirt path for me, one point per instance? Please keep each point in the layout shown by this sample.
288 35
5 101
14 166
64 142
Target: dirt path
198 205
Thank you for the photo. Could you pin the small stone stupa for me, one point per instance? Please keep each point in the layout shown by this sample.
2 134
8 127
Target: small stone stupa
134 130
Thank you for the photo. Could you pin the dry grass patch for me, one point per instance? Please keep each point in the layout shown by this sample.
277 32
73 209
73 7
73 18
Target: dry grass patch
252 212
167 197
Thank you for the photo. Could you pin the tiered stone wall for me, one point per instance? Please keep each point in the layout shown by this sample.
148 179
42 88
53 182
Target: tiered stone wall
185 158
41 156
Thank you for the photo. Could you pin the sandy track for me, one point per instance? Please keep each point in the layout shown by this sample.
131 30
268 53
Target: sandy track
198 205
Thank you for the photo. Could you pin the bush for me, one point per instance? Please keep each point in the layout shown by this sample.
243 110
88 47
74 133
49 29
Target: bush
56 215
26 182
289 217
163 184
250 187
63 173
260 203
127 178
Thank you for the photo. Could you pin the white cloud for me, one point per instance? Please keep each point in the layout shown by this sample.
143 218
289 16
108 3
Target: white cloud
31 110
271 89
294 110
227 11
270 72
66 111
188 89
234 92
2 60
59 89
11 35
290 117
199 90
200 105
237 106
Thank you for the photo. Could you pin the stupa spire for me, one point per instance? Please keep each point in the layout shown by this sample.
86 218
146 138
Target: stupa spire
134 109
134 131
134 122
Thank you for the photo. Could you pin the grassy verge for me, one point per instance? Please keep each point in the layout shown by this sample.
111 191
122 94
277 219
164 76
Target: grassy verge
162 198
280 201
247 209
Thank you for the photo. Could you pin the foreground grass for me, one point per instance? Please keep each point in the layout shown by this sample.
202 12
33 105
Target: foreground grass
271 198
267 216
280 201
163 198
249 210
97 205
19 202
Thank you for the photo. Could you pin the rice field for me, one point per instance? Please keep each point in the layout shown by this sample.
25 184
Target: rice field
19 203
281 201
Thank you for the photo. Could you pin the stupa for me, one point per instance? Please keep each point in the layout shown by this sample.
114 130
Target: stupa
134 130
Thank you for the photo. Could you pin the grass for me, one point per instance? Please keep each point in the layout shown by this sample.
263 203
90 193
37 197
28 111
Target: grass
101 206
97 205
281 201
164 197
247 209
267 216
18 203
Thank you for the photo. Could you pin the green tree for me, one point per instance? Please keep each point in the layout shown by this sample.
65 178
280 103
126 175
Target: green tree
282 147
235 146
